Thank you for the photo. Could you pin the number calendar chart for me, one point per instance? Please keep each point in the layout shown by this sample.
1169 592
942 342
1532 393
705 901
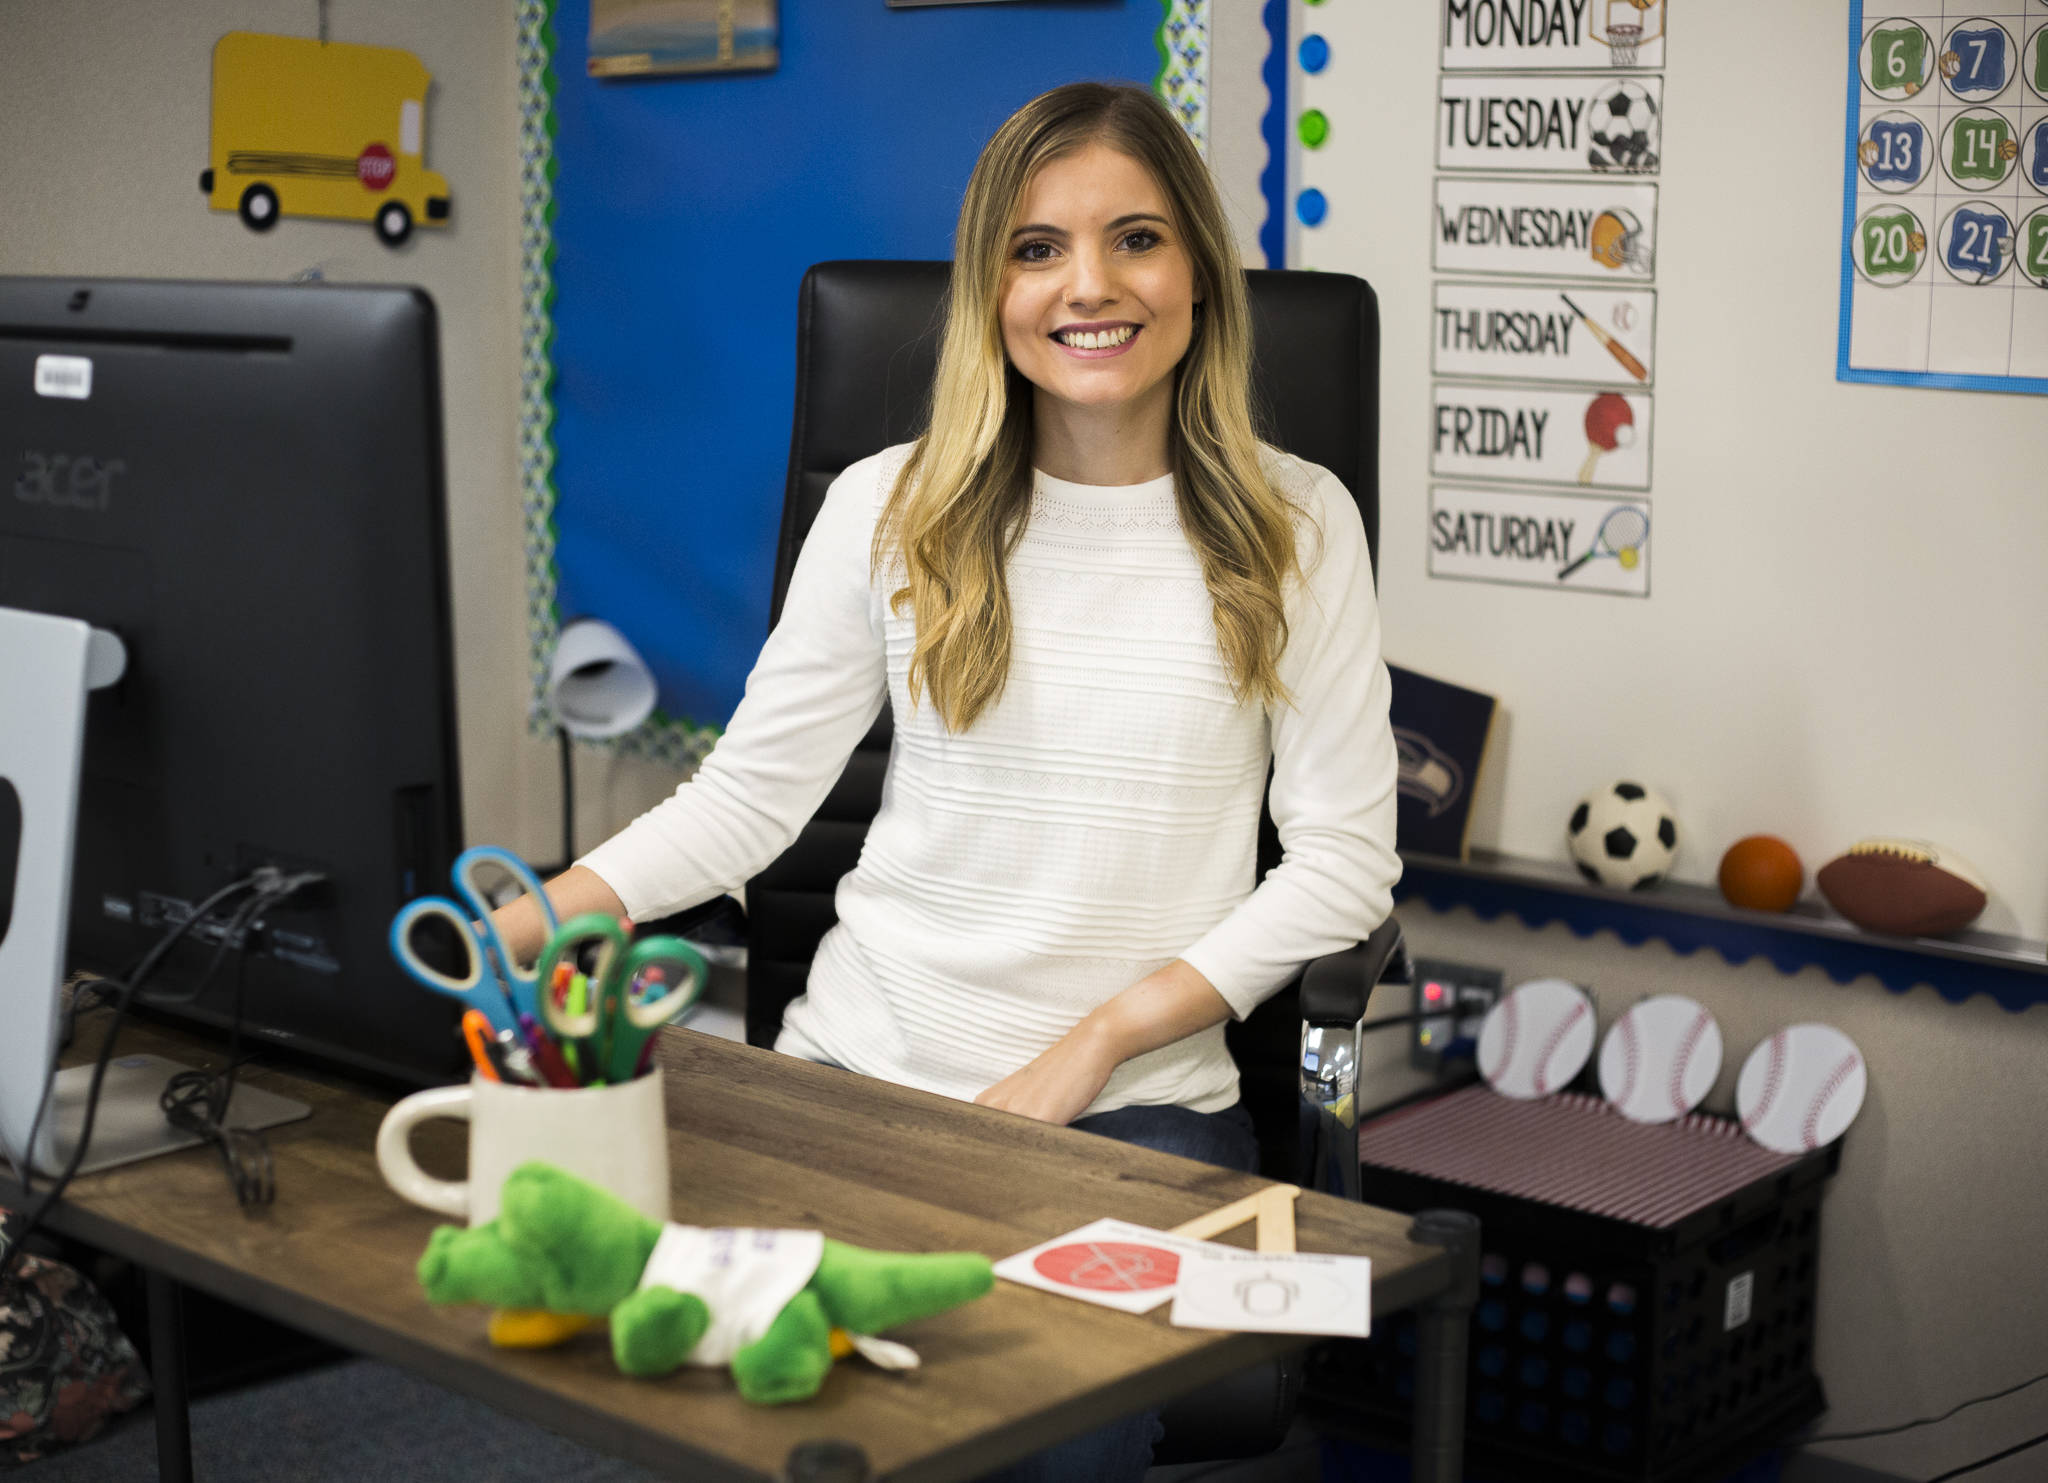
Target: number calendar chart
1945 195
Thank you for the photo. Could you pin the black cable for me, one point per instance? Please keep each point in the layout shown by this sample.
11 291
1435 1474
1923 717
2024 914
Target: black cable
1906 1426
1985 1462
197 1101
127 990
126 986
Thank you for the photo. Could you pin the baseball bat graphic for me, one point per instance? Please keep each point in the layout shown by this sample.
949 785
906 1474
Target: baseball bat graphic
1615 348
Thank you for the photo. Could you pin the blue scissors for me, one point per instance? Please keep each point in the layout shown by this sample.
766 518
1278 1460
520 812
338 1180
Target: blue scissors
491 980
635 988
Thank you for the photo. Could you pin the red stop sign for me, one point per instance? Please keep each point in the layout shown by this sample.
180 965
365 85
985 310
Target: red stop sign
375 168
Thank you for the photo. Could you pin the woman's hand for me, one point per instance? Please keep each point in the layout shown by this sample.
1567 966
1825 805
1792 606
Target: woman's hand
1157 1010
1060 1083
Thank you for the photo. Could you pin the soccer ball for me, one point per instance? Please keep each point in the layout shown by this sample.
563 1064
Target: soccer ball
1623 835
1623 131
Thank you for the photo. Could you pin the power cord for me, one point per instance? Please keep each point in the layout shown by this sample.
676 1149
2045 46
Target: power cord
126 990
1985 1462
250 1177
1906 1426
196 1101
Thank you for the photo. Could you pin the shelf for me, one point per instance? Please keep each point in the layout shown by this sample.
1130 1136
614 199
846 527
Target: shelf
1687 917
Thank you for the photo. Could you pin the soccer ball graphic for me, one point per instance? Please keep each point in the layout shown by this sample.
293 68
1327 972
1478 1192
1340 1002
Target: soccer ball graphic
1623 835
1623 131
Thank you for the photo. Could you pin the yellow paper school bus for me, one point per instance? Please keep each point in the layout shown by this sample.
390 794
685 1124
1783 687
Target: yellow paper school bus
309 128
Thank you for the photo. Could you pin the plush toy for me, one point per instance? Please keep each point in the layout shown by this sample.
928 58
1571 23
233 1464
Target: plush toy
768 1303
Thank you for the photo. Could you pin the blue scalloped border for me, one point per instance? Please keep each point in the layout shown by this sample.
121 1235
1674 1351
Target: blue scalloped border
1685 933
1273 179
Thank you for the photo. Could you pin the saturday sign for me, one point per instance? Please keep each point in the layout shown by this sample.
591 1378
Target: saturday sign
1600 439
1602 123
1557 542
1546 35
1569 333
1599 229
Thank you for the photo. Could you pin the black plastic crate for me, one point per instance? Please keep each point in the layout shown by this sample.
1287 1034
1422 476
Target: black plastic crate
1647 1294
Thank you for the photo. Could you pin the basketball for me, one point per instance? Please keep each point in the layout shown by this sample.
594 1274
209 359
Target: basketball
1761 873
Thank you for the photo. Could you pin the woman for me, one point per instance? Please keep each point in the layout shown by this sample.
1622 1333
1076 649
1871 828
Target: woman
1100 608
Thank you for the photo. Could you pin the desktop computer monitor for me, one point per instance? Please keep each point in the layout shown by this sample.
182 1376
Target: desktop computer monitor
243 483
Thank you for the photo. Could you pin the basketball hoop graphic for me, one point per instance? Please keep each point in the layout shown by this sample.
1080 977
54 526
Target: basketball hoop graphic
1627 26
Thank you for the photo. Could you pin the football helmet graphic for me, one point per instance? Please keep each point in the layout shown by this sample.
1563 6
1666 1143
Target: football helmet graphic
1617 241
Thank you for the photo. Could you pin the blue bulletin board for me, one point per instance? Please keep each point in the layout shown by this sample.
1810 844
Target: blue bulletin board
668 223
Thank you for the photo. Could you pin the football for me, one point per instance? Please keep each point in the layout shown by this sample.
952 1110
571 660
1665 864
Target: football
1622 132
1905 887
1624 836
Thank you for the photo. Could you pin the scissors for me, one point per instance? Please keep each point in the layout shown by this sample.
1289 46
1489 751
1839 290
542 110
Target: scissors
490 980
635 989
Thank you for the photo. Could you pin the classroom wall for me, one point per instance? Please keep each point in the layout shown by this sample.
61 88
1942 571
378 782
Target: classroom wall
104 116
1931 1290
1846 634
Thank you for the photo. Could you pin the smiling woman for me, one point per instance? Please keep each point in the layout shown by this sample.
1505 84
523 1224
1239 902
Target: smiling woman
1102 612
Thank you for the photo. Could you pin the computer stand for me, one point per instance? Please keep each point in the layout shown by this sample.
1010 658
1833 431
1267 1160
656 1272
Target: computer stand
48 666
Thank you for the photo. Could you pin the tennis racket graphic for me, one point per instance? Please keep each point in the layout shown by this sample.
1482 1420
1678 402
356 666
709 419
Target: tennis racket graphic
1621 536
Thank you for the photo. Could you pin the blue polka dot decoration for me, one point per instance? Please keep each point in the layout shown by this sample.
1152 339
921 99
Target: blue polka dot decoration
1313 53
1311 206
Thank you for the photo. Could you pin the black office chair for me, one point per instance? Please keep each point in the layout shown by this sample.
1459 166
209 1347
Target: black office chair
866 353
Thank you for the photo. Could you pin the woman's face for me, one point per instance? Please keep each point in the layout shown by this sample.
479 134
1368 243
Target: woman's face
1098 295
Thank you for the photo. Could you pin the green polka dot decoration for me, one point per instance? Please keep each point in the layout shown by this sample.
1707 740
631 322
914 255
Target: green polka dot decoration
1314 128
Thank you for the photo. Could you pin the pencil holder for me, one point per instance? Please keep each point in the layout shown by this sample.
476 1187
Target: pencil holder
614 1136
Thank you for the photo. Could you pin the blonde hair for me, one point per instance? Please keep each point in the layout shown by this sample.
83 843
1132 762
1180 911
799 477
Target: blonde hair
960 504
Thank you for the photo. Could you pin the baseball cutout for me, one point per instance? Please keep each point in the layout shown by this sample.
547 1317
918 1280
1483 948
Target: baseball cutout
1801 1088
1536 1039
1660 1059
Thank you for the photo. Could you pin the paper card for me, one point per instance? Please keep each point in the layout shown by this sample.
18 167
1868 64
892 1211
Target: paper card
1604 230
1222 1287
1110 1262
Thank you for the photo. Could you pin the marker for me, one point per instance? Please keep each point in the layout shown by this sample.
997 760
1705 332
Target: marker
476 1033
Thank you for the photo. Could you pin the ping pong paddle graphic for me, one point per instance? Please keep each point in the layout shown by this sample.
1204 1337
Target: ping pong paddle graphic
1610 424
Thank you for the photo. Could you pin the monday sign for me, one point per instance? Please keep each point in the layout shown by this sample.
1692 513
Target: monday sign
1531 538
1599 439
1547 332
1545 35
1600 229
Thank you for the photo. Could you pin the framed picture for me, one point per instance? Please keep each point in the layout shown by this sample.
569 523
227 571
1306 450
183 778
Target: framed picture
650 38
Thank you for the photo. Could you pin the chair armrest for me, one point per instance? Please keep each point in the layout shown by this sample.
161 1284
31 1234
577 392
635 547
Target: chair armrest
1336 989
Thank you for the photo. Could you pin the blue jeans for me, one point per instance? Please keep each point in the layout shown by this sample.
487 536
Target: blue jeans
1122 1451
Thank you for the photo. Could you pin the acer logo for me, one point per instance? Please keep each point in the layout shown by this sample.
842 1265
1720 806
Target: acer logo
67 481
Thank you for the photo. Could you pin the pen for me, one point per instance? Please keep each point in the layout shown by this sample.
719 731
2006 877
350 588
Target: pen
547 1056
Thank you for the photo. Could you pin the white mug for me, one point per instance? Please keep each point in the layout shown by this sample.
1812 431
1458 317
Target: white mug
614 1136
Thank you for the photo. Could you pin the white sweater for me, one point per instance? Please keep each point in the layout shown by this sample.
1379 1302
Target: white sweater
1096 822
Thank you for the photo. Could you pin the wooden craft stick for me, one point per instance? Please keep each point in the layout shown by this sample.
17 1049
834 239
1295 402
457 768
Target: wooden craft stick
1237 1212
1276 1219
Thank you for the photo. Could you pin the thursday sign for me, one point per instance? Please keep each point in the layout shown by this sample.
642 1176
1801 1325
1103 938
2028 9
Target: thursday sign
1545 333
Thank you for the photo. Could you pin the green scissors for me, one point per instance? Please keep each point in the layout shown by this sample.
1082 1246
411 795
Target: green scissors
635 989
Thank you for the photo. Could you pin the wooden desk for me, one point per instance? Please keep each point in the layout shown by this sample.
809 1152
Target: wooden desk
756 1139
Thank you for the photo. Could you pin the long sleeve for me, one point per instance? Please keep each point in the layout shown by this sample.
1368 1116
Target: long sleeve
1334 775
817 687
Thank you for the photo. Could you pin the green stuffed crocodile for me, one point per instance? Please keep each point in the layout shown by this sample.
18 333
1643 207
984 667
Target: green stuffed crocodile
768 1303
